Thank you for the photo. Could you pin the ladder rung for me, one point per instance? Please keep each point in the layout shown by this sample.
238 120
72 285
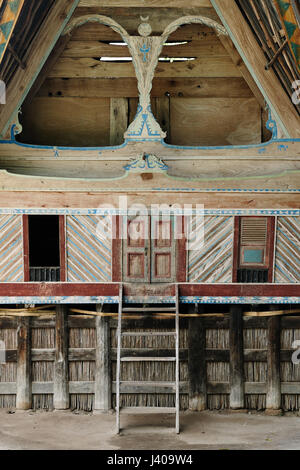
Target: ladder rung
149 309
147 409
149 333
141 359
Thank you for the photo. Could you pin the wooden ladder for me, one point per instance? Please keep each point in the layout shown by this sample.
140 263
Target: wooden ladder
120 335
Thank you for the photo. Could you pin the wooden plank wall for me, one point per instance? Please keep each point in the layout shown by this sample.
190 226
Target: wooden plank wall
210 259
207 379
11 248
89 249
85 102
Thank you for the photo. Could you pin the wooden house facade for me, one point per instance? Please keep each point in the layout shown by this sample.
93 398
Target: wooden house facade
154 147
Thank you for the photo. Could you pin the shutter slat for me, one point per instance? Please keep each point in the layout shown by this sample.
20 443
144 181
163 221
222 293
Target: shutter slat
253 230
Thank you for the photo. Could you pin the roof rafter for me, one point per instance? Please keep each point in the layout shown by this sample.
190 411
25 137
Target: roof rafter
254 58
39 51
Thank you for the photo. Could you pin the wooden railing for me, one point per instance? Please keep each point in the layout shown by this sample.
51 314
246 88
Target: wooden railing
45 274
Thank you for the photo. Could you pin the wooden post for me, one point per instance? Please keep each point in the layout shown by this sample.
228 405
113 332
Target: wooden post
103 367
236 358
61 383
273 398
197 365
24 394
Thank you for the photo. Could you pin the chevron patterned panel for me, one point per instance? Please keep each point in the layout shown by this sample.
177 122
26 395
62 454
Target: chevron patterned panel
11 248
88 249
287 254
213 261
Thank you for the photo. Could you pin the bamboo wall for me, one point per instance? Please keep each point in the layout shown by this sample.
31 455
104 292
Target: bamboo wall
65 361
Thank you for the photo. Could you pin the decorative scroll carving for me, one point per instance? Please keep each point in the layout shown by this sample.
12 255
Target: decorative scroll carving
219 29
146 163
145 51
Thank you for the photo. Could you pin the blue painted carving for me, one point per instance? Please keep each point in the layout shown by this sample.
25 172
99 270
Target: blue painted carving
145 51
146 163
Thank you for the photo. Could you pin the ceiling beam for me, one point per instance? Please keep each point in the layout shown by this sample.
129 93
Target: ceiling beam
255 60
38 52
145 3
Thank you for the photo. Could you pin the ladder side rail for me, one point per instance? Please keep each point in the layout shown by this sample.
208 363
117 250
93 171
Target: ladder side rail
177 359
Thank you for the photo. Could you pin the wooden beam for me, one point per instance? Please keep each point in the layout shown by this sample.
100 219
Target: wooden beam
211 46
103 364
68 67
127 88
236 358
61 384
24 394
255 60
273 398
146 3
197 365
38 53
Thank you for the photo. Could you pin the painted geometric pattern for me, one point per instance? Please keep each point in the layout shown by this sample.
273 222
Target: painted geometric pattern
287 255
88 240
286 11
11 248
211 260
8 21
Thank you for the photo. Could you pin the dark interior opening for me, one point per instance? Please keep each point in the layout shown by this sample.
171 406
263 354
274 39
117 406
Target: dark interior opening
44 241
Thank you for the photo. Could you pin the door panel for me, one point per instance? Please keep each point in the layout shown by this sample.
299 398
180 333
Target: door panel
145 259
135 249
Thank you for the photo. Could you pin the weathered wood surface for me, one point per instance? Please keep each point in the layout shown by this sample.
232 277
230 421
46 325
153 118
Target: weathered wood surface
38 52
206 87
236 358
145 3
273 357
24 394
61 383
219 66
103 364
197 365
238 121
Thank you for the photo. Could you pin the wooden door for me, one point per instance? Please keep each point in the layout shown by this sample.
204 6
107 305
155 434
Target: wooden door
136 266
149 249
162 249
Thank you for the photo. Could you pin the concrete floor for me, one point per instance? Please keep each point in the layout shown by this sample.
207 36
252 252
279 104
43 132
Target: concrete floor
206 430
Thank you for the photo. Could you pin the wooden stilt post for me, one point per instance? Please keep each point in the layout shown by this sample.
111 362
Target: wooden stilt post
197 365
236 358
24 394
103 368
273 399
61 382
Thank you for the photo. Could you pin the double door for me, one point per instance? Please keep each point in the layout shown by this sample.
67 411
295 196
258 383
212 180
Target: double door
149 250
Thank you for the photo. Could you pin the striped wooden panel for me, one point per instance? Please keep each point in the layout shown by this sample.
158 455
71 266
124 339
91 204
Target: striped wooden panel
287 254
88 249
11 248
212 262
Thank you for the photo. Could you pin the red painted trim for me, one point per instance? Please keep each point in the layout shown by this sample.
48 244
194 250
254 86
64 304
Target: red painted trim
116 274
247 290
270 246
62 247
236 248
95 289
181 254
26 248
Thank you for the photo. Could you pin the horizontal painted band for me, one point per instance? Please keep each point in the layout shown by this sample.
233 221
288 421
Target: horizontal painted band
188 211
